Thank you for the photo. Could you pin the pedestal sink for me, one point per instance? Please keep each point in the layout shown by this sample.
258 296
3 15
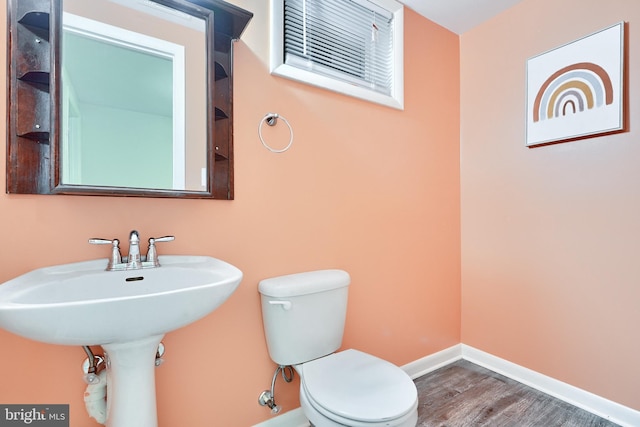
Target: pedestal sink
126 312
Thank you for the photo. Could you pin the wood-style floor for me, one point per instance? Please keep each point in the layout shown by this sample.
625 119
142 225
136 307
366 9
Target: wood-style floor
464 394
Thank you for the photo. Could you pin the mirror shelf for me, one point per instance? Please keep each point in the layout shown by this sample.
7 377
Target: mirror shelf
34 114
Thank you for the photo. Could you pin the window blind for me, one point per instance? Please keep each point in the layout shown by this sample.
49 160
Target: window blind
348 40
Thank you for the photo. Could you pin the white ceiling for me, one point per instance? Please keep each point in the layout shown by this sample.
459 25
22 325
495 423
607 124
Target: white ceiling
459 16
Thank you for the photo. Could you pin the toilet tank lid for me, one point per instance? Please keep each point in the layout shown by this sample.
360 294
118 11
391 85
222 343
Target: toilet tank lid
304 283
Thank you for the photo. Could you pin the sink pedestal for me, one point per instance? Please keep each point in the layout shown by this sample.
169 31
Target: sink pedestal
131 385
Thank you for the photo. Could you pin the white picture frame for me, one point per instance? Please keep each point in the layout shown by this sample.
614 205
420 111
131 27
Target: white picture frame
576 90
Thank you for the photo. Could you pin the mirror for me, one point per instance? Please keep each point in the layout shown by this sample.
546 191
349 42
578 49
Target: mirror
135 120
127 97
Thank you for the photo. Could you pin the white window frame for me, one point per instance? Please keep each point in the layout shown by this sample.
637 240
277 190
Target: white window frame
279 68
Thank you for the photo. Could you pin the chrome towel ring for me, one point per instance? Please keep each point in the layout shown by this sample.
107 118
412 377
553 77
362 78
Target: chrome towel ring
271 119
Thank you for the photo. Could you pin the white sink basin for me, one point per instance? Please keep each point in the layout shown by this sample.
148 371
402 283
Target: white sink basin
82 304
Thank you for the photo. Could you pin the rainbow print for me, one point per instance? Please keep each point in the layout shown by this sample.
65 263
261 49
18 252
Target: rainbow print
576 90
573 89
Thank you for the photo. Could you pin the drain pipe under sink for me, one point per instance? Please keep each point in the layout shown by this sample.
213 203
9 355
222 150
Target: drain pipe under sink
95 398
95 395
95 375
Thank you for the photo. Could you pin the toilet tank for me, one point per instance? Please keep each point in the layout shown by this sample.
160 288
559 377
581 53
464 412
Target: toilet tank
303 314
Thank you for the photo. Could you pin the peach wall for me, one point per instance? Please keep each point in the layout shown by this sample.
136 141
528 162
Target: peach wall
365 188
550 234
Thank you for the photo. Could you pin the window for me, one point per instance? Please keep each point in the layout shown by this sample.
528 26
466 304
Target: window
353 47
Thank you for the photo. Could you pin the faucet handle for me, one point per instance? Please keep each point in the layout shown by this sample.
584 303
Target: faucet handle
97 241
163 239
152 254
115 258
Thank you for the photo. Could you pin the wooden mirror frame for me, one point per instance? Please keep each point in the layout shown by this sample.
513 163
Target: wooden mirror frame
33 99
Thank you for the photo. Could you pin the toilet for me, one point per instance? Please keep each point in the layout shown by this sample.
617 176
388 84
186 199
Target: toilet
304 316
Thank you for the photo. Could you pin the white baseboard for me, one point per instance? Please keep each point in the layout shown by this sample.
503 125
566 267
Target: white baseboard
614 412
432 362
294 418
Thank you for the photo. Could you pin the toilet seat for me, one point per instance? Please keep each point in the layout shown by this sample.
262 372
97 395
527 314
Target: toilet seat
355 388
320 417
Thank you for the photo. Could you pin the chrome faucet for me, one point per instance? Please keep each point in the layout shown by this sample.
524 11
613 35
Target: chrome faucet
134 260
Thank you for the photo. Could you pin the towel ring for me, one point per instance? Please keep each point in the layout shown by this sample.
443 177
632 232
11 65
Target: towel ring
271 119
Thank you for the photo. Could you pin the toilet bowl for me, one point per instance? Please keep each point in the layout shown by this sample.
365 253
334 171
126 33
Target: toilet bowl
304 316
356 389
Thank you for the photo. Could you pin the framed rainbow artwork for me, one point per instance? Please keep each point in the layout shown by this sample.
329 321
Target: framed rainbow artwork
576 90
